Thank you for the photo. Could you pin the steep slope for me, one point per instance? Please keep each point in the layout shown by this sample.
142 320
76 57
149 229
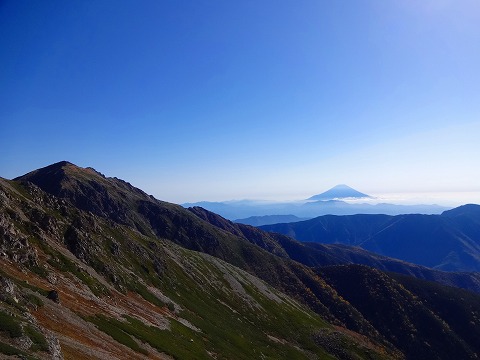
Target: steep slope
400 314
449 242
458 308
114 293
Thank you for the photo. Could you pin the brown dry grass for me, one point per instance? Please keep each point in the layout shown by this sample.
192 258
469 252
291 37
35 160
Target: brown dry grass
80 339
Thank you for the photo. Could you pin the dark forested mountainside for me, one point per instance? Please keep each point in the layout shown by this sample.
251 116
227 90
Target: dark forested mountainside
407 307
449 242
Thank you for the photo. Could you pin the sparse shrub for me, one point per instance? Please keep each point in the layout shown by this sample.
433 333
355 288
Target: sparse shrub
34 300
110 327
143 292
39 341
13 302
6 349
40 271
9 324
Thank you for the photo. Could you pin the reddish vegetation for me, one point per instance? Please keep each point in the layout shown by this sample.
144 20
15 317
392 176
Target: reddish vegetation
78 338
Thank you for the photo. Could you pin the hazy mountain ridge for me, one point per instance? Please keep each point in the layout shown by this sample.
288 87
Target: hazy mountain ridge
330 202
449 242
129 285
269 219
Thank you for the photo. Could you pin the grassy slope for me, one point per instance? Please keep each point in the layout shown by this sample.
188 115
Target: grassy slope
145 293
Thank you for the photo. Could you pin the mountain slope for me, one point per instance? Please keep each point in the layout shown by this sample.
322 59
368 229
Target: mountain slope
128 283
91 191
398 312
445 242
117 293
458 308
150 216
471 211
317 254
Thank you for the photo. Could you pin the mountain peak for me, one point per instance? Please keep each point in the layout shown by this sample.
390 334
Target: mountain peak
61 164
469 210
340 191
91 191
54 177
58 166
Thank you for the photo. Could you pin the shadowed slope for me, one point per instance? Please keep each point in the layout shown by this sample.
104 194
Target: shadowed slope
449 242
317 254
413 326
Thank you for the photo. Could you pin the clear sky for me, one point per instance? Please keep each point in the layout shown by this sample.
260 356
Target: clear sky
217 100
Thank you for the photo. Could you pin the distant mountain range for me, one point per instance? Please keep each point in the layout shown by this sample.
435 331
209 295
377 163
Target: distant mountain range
93 268
269 219
450 241
330 202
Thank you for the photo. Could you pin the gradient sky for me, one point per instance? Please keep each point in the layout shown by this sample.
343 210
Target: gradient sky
217 100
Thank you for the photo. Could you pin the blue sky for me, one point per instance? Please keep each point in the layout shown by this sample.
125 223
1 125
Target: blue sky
217 100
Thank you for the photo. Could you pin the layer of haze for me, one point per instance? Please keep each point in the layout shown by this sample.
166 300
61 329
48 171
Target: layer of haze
216 100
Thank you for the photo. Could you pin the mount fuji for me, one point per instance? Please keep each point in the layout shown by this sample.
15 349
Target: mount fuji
340 192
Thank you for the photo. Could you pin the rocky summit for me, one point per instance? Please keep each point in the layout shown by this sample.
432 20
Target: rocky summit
93 268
